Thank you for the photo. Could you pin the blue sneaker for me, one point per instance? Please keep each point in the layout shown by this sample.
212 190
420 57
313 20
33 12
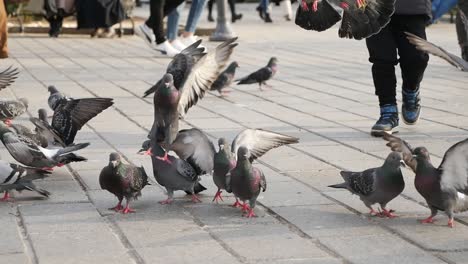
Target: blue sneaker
388 121
411 108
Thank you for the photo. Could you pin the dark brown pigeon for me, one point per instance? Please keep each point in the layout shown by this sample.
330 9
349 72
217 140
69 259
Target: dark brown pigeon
225 79
361 18
262 75
445 188
377 185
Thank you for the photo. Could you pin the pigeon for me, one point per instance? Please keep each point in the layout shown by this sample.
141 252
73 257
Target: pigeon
430 48
177 174
194 71
246 181
19 178
10 109
377 185
257 141
225 79
43 128
36 137
123 180
7 77
361 18
70 115
188 77
262 75
444 188
26 152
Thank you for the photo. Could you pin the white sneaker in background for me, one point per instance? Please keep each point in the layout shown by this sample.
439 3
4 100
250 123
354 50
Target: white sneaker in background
187 41
177 44
146 33
166 48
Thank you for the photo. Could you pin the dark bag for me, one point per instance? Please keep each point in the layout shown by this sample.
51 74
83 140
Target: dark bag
99 13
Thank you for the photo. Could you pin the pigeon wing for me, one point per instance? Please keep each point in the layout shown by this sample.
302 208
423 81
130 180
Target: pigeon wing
454 167
399 145
8 76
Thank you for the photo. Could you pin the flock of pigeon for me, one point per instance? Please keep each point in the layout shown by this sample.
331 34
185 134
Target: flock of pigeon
188 77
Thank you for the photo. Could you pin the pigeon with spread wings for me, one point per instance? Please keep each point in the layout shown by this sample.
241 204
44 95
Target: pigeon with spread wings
444 188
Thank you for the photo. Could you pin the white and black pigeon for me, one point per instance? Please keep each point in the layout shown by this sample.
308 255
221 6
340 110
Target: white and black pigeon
70 115
28 153
432 49
225 79
189 75
262 75
123 180
257 141
377 185
361 18
444 188
19 178
8 76
10 109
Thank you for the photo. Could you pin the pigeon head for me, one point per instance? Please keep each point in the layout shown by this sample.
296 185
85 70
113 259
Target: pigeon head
114 159
24 101
145 148
223 144
421 153
243 153
273 61
168 80
42 113
394 160
52 89
233 66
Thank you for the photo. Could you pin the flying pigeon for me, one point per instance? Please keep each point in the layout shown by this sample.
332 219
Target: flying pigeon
445 188
70 115
122 180
246 181
7 77
377 185
257 141
11 109
361 18
194 71
19 178
177 174
262 75
26 152
188 77
225 79
430 48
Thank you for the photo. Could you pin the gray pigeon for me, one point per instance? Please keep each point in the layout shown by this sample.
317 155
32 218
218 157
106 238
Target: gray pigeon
361 18
26 152
262 75
225 79
377 185
70 114
7 77
189 75
257 141
430 48
19 178
444 188
123 180
10 109
174 174
24 131
246 181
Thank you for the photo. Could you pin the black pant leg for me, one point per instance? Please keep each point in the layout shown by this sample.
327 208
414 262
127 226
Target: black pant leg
413 62
155 21
232 6
210 7
171 5
461 31
383 56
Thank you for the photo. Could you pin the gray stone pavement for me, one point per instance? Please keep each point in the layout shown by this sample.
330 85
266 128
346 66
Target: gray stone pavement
323 94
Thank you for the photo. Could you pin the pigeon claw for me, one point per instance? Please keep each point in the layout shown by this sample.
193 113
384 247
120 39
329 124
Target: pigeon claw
344 5
218 196
315 6
128 210
167 201
428 220
387 213
245 207
451 223
47 168
236 204
7 122
195 199
165 158
6 197
251 213
373 212
361 4
304 5
117 208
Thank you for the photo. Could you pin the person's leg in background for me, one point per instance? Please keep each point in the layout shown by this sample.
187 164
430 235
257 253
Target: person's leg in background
461 29
288 10
234 15
195 12
210 10
383 56
266 9
413 63
3 31
173 28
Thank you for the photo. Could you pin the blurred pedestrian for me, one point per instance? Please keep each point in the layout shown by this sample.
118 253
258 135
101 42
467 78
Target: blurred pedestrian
3 31
461 29
196 9
264 10
152 31
384 48
55 12
99 15
232 6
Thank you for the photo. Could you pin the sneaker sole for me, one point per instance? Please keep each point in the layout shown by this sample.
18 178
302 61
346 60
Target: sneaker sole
147 39
380 133
414 123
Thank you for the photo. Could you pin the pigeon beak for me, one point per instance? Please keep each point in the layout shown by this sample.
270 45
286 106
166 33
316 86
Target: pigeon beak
221 145
114 163
415 156
402 163
167 84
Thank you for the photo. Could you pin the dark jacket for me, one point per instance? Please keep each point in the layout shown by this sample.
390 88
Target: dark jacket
413 7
